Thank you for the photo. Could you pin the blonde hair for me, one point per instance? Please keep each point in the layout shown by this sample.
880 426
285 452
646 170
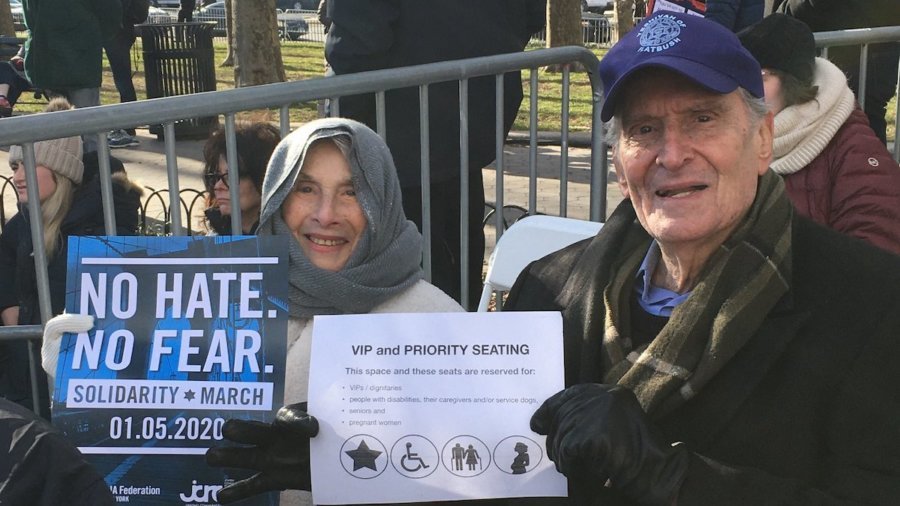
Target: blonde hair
54 210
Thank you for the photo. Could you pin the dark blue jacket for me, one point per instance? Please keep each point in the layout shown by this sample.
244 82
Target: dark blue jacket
735 14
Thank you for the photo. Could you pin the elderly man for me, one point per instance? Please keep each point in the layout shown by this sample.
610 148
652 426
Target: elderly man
719 348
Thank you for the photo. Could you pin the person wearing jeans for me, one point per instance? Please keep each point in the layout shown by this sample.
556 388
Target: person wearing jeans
118 53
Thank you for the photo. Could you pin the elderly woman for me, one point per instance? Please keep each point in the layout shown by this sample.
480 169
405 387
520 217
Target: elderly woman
332 187
836 170
254 144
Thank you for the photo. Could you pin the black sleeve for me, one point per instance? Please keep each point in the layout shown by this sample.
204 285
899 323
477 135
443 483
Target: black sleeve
537 15
361 34
9 239
861 458
723 12
39 466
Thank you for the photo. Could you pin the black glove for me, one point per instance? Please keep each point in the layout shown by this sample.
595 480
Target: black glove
280 453
599 432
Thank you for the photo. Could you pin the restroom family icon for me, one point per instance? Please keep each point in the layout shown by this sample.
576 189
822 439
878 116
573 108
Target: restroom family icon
415 456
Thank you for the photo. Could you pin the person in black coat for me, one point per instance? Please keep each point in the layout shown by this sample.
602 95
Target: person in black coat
395 33
69 190
718 347
186 12
40 467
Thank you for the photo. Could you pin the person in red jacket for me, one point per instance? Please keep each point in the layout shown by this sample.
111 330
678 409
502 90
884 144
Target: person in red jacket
836 170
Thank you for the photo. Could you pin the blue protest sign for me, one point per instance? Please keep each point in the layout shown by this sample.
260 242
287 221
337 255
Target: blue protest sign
189 332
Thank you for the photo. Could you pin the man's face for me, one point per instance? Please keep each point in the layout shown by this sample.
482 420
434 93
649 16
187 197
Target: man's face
688 158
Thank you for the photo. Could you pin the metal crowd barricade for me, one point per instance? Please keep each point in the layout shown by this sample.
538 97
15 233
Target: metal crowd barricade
97 121
862 37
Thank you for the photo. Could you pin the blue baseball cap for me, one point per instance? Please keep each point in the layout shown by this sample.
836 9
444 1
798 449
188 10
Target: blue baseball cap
699 49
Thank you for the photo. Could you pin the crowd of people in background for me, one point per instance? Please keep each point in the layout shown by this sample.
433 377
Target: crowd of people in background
729 334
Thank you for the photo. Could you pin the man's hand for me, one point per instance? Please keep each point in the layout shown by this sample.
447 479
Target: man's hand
599 432
280 453
18 62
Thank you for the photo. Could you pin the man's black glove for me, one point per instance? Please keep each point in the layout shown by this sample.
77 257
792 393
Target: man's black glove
280 453
599 432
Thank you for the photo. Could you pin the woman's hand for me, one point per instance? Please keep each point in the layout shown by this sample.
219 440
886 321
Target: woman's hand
280 453
53 331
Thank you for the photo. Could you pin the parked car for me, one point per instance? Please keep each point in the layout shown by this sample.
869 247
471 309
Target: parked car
213 12
596 29
304 5
157 15
598 6
291 26
168 4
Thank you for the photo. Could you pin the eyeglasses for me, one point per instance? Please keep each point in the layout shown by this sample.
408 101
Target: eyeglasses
213 178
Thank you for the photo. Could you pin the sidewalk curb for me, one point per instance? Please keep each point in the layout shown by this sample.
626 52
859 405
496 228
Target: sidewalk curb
576 139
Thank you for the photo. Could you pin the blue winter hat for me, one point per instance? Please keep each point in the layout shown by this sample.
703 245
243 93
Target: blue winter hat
701 50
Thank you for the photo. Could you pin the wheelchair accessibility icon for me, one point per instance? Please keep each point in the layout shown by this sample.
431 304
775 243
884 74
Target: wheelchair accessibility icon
414 456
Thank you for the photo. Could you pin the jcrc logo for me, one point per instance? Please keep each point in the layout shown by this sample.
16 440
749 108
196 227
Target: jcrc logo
201 493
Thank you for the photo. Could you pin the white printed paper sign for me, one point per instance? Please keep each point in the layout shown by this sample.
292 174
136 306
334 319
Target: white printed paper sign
428 407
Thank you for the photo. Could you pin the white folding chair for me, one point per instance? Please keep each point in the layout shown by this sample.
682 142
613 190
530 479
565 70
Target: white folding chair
526 240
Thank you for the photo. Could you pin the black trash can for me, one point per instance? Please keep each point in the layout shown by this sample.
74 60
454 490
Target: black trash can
178 60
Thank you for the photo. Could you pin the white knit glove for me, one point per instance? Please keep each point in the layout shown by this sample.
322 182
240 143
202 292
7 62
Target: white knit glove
53 331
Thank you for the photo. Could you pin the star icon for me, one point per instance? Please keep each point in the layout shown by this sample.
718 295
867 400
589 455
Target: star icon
363 457
189 395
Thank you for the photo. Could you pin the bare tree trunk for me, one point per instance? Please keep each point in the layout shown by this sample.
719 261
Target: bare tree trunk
6 22
564 28
257 49
229 35
564 23
623 18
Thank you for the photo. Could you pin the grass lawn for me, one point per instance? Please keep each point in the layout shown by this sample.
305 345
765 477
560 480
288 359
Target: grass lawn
304 60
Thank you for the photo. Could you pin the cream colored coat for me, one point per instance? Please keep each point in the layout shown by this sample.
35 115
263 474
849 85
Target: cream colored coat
422 297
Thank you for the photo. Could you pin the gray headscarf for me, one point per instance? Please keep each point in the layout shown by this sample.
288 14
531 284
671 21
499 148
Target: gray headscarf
386 259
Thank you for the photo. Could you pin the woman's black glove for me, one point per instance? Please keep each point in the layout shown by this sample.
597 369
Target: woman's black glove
600 432
280 453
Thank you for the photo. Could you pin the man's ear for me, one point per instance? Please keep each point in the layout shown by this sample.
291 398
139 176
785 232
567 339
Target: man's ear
620 177
766 133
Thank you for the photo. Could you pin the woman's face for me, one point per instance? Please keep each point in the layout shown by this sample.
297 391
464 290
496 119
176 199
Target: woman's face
45 179
249 196
773 91
322 210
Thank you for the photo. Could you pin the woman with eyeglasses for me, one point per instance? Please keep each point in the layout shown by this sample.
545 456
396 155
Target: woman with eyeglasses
255 143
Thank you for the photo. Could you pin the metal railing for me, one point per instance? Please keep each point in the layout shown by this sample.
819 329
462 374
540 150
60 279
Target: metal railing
97 121
863 37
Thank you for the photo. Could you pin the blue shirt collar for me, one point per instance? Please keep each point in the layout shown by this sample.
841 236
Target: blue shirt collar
653 299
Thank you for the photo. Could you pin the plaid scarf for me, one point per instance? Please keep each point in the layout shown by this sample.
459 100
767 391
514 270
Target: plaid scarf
740 284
